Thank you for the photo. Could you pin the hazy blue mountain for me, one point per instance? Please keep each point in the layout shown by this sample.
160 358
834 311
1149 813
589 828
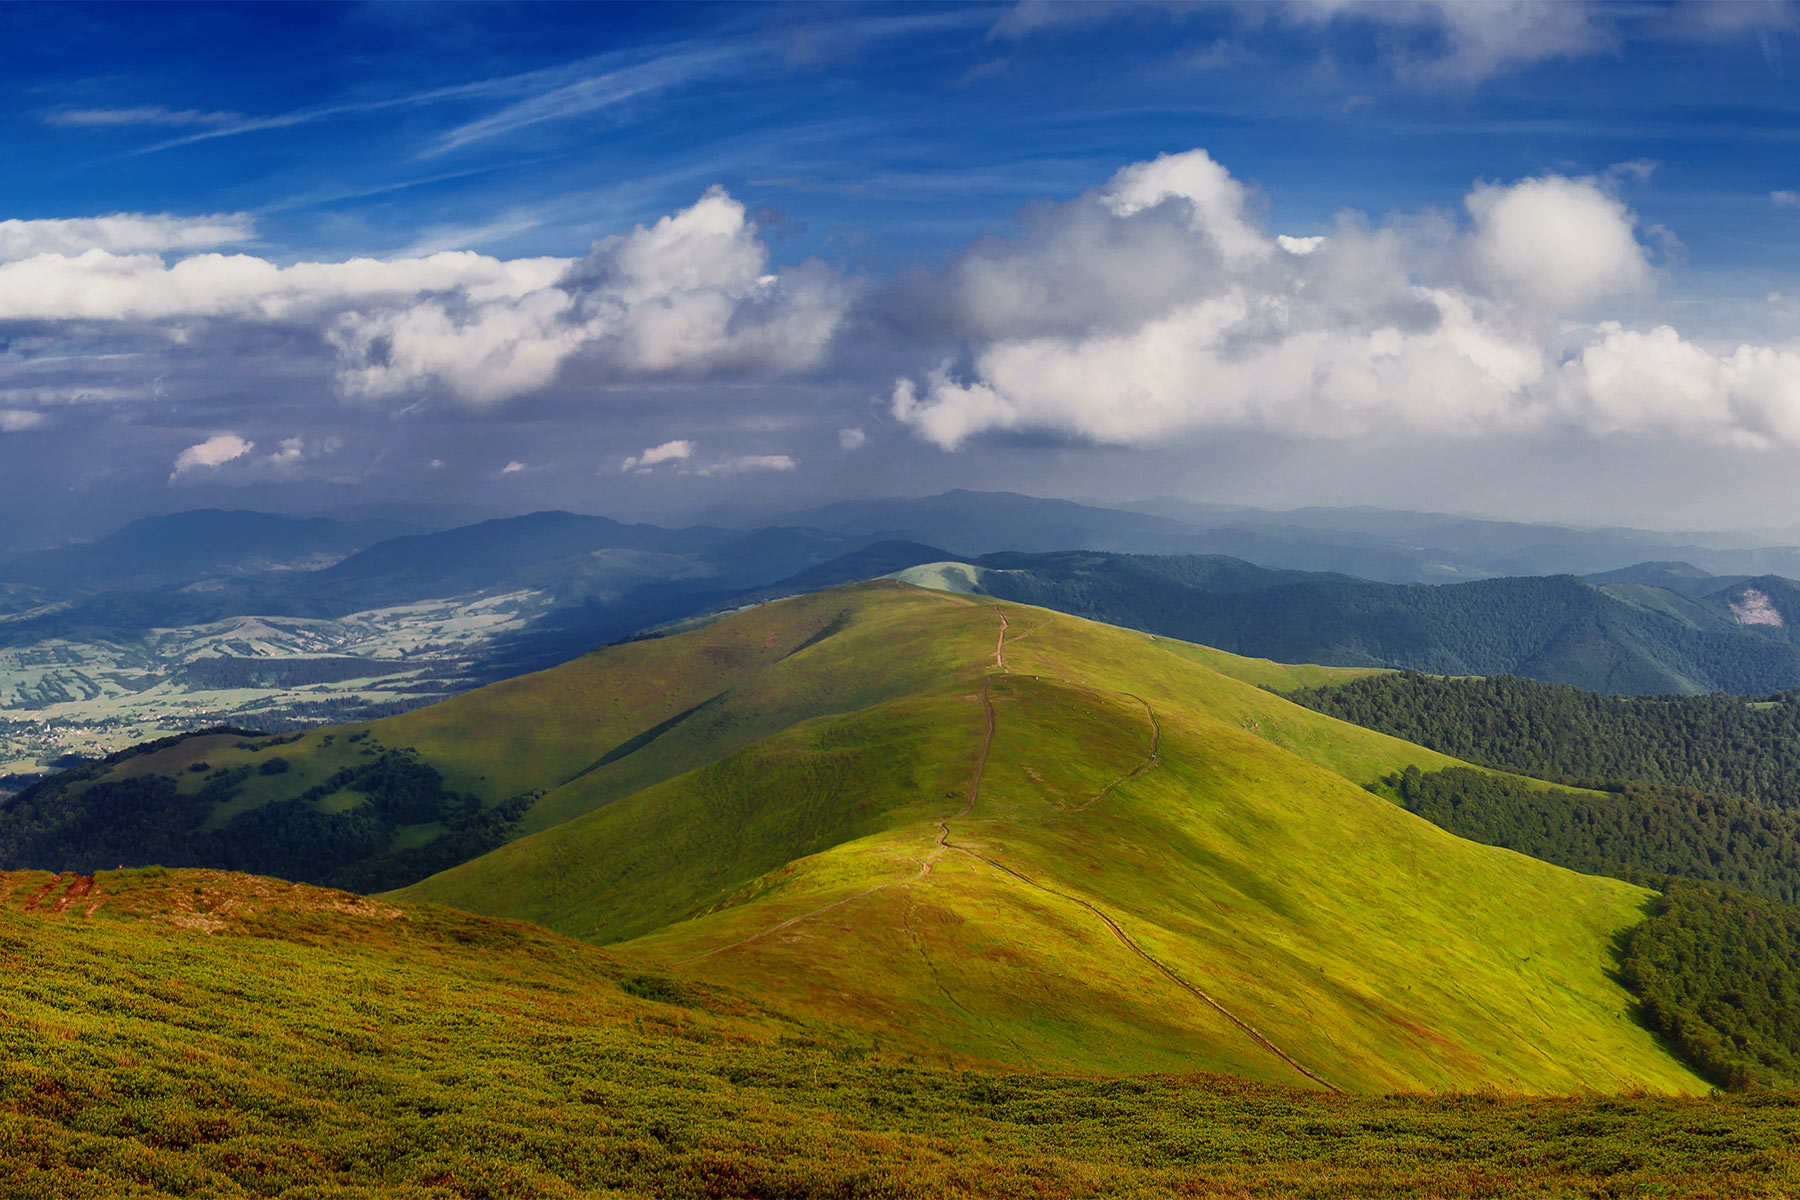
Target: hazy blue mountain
1625 638
972 523
1402 547
1674 576
186 547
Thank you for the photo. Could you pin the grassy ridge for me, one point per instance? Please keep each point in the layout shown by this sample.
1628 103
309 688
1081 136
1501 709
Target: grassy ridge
1075 912
201 1033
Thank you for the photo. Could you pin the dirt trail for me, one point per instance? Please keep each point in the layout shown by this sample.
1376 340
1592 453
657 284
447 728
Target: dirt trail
925 865
1125 939
945 845
1131 944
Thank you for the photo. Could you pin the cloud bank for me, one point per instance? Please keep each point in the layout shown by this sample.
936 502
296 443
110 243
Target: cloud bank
691 294
1159 305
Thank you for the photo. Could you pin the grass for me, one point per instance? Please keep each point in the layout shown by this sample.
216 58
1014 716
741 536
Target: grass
210 1034
1365 947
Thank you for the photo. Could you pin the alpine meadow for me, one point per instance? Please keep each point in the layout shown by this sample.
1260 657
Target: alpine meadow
899 600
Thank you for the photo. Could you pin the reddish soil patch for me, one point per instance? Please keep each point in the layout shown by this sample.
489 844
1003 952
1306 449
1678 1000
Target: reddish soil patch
80 888
32 901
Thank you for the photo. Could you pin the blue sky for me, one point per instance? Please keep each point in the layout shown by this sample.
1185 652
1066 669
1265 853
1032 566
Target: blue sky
369 254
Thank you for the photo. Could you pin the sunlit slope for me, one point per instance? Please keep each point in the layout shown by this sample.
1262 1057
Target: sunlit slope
1083 848
198 1033
532 751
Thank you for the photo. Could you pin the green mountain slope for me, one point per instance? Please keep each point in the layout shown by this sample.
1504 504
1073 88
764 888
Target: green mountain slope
198 1033
383 804
1081 847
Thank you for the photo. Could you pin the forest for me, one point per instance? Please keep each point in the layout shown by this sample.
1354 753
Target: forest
1717 973
1712 743
1633 831
151 818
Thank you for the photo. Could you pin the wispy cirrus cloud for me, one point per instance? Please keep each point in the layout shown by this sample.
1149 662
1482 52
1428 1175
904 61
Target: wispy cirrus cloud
596 92
143 114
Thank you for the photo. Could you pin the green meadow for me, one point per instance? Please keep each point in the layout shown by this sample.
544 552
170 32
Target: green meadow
207 1034
1081 848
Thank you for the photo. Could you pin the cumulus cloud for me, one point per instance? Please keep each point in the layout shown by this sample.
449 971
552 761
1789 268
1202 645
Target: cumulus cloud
1785 199
512 468
230 458
693 293
852 439
675 451
214 452
122 233
1419 325
100 285
1560 243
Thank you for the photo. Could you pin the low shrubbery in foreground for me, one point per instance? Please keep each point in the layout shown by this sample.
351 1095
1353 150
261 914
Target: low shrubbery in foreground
198 1033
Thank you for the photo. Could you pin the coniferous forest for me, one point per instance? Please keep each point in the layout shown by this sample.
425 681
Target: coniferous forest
1712 743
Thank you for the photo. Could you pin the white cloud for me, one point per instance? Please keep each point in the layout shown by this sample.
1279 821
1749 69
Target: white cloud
1428 42
16 420
852 439
691 294
290 454
1299 245
1420 325
1216 203
512 468
675 451
745 464
122 233
1784 199
1560 243
99 285
214 452
1462 41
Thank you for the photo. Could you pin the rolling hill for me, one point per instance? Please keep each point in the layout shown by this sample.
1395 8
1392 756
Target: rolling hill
1623 637
948 824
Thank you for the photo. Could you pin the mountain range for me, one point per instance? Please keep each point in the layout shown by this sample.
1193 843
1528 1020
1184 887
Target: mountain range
900 810
171 622
851 877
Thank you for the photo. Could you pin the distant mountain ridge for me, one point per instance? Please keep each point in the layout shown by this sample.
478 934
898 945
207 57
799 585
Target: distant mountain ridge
99 637
1627 638
184 547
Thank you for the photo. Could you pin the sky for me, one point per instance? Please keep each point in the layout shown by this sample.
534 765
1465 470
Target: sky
688 261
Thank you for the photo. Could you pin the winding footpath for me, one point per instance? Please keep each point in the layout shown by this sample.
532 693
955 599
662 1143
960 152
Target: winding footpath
1118 931
945 845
